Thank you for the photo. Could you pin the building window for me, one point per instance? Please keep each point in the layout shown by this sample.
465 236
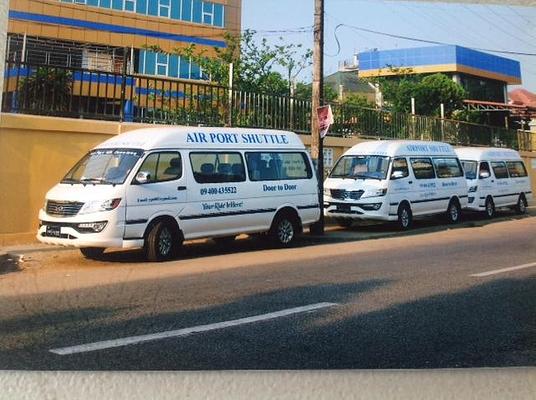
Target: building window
129 5
162 64
219 17
163 8
208 13
79 1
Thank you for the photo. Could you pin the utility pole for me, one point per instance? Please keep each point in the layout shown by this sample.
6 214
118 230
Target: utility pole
317 100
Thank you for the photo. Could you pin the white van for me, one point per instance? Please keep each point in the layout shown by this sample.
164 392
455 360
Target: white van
395 181
154 188
496 178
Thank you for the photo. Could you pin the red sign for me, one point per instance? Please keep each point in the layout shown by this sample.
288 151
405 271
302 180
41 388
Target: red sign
325 119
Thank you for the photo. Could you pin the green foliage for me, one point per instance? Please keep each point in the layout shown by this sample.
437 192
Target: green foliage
48 88
429 92
357 100
304 92
253 62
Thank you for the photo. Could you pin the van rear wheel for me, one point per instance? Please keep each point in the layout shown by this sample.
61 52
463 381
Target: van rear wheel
283 231
489 207
405 217
162 242
92 253
454 212
521 206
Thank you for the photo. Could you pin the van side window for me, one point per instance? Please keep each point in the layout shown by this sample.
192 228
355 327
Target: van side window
499 169
448 168
217 167
162 167
400 165
484 167
516 169
277 166
422 168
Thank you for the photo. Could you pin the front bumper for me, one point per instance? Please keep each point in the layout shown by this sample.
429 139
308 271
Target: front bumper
66 231
371 208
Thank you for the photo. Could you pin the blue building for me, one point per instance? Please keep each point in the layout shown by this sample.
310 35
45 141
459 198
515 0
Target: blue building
484 76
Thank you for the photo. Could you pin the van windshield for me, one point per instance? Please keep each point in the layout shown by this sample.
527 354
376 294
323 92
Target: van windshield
104 167
470 168
361 167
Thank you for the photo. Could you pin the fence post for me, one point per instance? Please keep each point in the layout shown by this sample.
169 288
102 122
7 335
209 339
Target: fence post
123 87
230 101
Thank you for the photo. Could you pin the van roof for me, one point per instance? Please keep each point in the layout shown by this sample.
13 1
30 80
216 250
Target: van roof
487 154
204 138
395 148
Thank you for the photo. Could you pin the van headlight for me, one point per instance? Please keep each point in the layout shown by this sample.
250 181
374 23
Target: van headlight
99 205
473 189
327 192
90 227
376 193
371 207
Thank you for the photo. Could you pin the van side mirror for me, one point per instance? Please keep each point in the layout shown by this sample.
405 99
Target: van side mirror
143 177
484 175
397 175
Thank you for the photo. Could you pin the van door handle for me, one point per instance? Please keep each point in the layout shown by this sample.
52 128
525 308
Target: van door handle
492 181
181 188
410 182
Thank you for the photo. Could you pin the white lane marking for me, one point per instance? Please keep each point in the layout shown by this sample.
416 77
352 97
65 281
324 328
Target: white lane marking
503 270
108 344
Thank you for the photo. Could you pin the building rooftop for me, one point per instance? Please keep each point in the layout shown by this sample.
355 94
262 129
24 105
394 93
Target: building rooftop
446 58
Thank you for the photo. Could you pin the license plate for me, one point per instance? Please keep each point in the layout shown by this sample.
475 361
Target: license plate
54 231
343 207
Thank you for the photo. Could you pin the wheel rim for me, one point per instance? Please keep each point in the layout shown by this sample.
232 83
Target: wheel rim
521 205
404 217
453 212
489 208
285 231
164 242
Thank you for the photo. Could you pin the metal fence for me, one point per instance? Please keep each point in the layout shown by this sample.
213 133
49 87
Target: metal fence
84 93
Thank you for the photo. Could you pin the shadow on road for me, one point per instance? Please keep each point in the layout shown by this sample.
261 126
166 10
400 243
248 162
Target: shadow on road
358 232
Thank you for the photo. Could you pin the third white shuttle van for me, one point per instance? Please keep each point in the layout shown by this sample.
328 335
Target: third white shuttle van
496 178
395 181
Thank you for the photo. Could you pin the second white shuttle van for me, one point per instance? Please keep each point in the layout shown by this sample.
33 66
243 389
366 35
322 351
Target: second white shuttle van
395 181
496 178
155 187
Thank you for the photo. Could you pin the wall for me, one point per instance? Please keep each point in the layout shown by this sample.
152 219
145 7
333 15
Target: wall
38 151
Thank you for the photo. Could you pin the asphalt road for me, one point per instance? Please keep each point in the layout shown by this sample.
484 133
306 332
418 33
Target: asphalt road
404 301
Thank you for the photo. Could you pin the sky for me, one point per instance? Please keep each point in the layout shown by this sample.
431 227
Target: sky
498 28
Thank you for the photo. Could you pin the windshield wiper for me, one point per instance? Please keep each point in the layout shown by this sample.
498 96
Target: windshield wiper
360 176
94 180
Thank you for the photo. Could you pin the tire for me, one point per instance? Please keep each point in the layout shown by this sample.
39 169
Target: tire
162 242
405 217
453 212
521 206
344 222
92 253
224 240
489 207
283 231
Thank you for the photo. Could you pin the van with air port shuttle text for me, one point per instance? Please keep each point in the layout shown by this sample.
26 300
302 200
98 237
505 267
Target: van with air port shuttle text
154 188
396 181
497 177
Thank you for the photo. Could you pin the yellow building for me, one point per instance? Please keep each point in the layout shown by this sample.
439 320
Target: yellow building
101 34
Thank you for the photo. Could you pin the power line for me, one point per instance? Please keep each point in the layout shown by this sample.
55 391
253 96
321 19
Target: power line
414 39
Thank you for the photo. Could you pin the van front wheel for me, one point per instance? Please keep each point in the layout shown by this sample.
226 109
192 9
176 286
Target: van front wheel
490 207
521 206
162 242
405 217
92 253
